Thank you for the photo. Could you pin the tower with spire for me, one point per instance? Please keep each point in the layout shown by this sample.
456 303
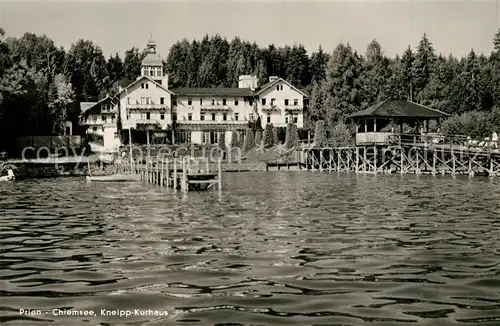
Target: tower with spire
152 64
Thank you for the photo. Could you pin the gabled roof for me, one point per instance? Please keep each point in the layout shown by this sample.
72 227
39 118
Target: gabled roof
215 91
141 78
84 106
399 109
274 82
87 107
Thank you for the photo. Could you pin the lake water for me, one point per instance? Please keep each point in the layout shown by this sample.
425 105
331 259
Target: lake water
276 248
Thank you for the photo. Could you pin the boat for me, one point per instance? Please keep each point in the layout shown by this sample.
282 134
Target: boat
9 177
113 178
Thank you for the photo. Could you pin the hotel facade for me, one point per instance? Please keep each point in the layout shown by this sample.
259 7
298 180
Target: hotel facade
200 114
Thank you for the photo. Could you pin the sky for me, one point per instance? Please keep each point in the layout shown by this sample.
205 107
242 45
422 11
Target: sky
452 27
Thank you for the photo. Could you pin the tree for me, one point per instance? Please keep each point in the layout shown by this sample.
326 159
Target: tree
60 100
268 136
342 86
320 134
234 140
375 75
423 66
249 141
319 61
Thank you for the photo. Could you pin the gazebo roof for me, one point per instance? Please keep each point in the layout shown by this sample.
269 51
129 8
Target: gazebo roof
399 109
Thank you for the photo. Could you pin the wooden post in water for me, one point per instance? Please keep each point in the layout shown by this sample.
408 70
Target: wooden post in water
184 185
219 174
175 174
167 171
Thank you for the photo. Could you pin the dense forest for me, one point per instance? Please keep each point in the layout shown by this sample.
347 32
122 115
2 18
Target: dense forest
41 84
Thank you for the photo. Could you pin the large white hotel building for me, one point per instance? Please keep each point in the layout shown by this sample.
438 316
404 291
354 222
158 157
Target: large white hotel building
201 114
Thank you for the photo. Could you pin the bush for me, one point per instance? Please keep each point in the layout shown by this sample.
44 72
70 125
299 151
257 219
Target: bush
258 137
292 136
234 140
249 142
222 141
476 124
276 139
320 133
268 136
341 134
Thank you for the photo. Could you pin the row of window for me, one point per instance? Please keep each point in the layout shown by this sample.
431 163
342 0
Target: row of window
104 118
147 116
286 101
147 100
153 72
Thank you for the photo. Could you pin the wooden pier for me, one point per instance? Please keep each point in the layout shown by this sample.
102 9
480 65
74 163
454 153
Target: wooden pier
186 174
408 157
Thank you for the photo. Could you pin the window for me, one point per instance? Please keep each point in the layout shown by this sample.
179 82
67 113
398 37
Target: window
236 116
174 102
190 101
213 116
295 102
224 117
286 119
104 118
235 102
223 101
213 102
162 116
148 116
295 119
162 100
286 101
250 117
263 101
250 102
281 87
268 119
277 87
202 117
201 101
112 119
94 129
142 85
128 116
128 100
272 101
190 116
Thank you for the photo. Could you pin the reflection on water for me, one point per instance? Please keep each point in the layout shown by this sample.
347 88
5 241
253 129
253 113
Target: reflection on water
275 249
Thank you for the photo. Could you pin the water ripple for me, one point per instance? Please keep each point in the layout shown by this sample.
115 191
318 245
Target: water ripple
274 249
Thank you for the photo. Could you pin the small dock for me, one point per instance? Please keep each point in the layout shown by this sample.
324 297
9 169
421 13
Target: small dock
186 174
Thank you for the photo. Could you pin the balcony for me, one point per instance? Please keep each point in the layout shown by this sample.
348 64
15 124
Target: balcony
212 124
99 122
215 108
270 108
146 107
293 109
208 122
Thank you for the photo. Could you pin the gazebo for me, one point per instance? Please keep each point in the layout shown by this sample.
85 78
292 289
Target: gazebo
372 123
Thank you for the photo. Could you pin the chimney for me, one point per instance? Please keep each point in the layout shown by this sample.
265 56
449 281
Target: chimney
164 81
273 78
